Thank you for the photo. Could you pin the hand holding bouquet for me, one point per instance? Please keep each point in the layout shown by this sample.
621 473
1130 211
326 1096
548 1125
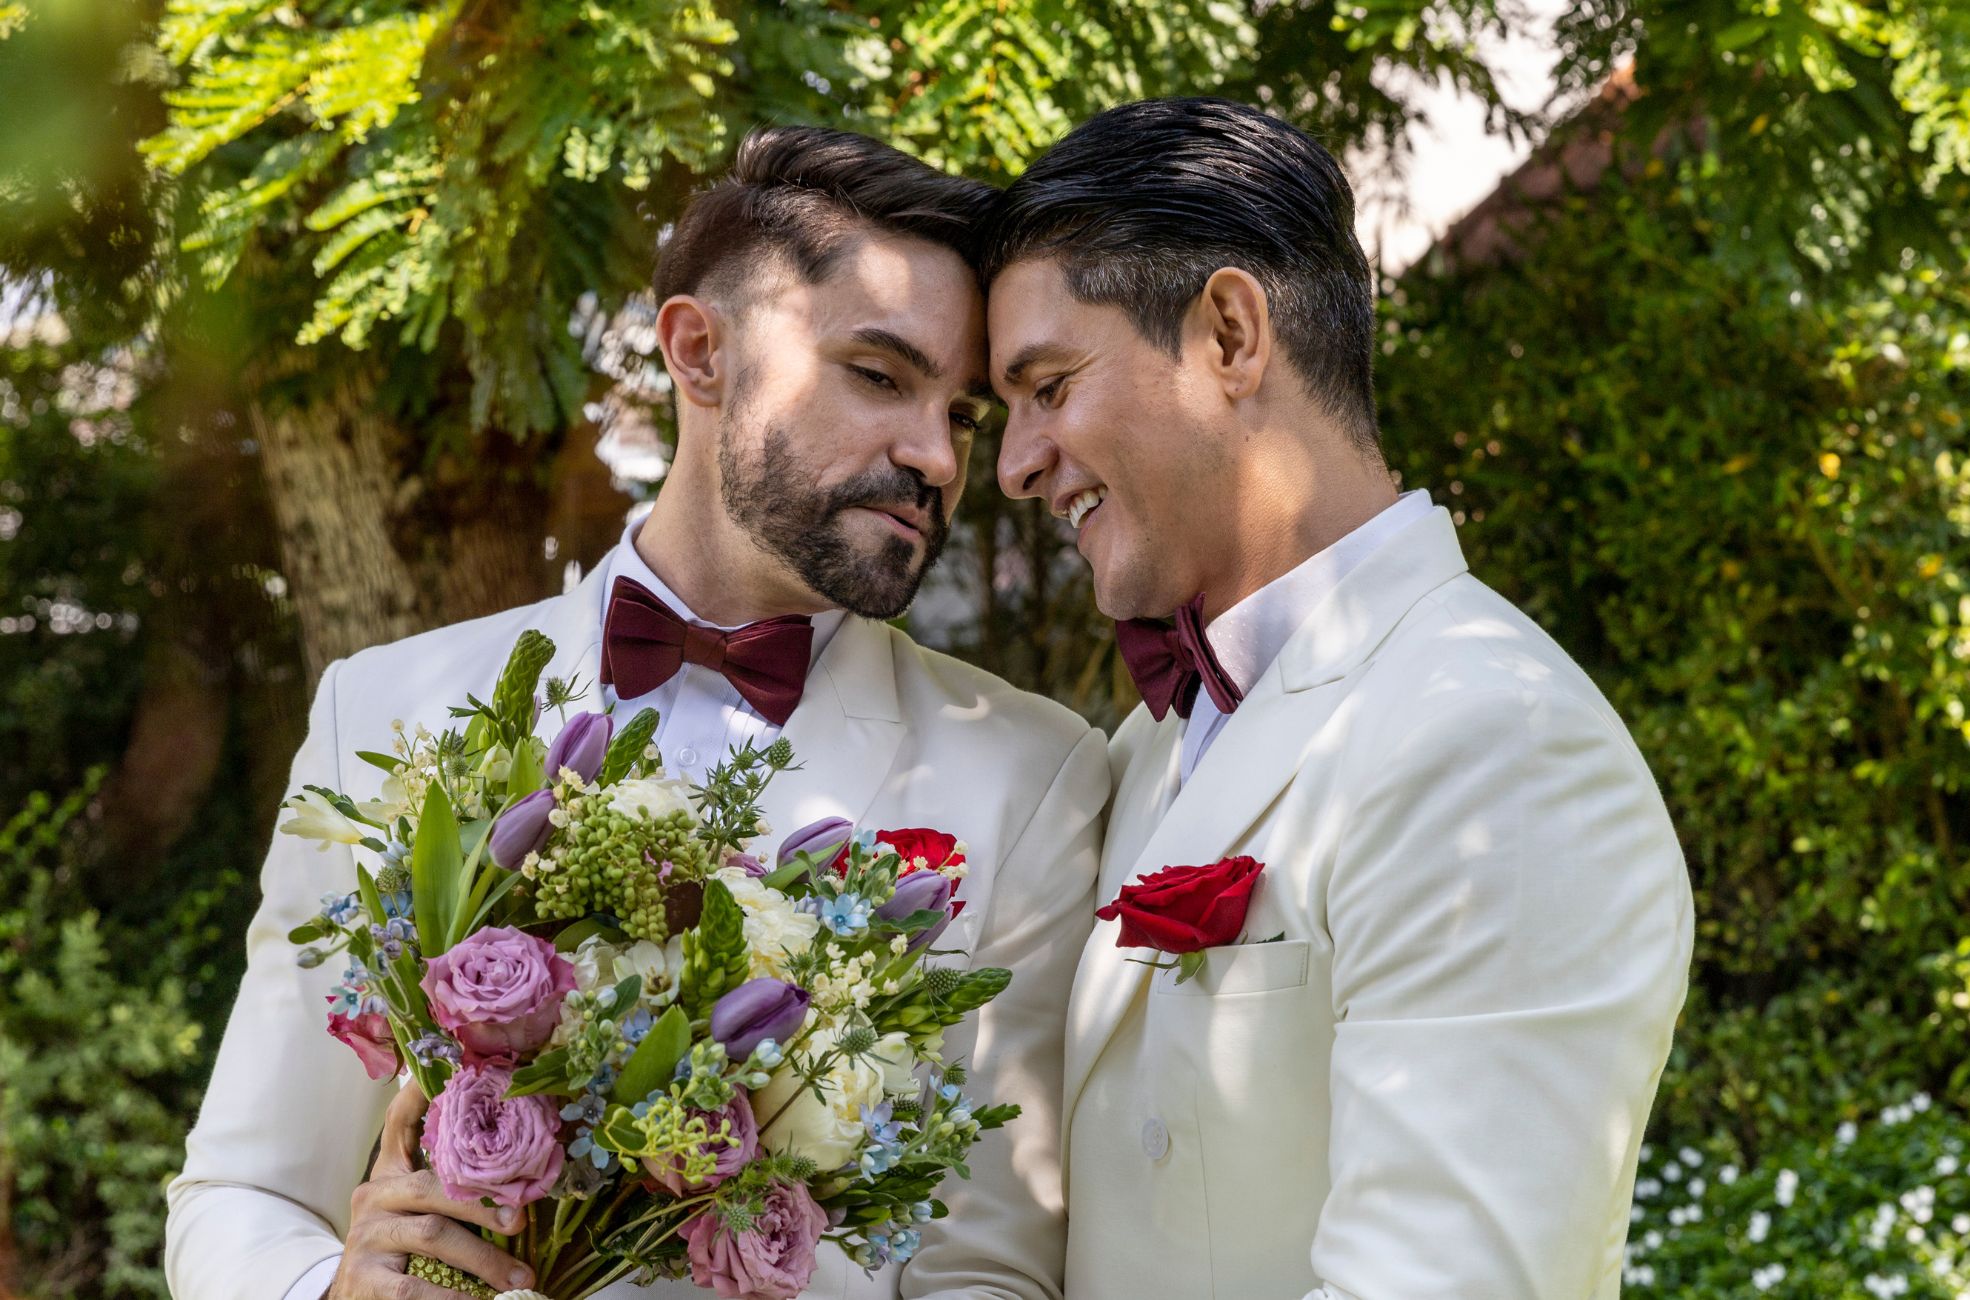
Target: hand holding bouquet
674 1056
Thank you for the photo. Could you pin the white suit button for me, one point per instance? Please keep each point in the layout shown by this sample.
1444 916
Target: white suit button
1155 1139
687 756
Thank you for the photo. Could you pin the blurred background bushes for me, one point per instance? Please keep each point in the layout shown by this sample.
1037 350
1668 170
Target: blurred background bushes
321 325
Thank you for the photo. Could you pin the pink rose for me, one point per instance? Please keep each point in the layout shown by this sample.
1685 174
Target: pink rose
771 1261
483 1143
369 1034
499 992
731 1159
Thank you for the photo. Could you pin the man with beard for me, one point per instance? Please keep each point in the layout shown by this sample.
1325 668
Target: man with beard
825 335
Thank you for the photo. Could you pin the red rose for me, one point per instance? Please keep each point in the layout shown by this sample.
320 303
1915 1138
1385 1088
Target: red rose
935 848
1185 909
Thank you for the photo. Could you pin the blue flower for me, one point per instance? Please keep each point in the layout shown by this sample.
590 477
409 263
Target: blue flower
340 909
845 914
877 1161
881 1124
397 904
921 1212
391 937
636 1025
586 1109
904 1243
432 1047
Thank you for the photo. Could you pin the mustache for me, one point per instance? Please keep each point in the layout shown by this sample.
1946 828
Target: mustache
881 488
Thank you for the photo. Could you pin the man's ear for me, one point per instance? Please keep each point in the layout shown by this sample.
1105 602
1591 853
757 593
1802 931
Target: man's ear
1237 324
691 333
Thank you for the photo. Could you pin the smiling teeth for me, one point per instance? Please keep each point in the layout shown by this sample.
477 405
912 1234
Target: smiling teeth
1078 508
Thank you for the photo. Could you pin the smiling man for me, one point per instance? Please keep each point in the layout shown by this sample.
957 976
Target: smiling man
824 330
1415 1061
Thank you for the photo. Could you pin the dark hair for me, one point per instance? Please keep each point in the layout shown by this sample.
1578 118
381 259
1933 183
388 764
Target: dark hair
1142 203
803 191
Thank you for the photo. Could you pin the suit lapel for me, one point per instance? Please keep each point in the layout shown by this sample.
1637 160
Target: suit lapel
844 734
1276 730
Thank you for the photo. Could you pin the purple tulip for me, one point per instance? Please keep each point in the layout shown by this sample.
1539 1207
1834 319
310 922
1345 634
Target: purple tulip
756 1011
920 891
582 745
521 830
817 839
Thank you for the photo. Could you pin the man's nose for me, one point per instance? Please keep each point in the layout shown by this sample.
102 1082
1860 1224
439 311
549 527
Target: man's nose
928 447
1025 455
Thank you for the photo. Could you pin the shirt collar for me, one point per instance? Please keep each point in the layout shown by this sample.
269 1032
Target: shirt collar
1247 637
625 561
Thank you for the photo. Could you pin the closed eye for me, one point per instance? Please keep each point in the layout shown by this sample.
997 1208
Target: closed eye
966 421
1048 394
874 377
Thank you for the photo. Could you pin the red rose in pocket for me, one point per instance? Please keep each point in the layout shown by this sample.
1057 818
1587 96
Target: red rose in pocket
1185 909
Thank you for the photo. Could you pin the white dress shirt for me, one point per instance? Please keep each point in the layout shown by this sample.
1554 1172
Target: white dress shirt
1247 637
700 719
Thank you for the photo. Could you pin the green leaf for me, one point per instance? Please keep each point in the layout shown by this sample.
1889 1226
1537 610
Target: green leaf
570 938
308 932
624 999
628 746
386 762
546 1073
435 861
372 899
1188 964
649 1068
787 875
525 774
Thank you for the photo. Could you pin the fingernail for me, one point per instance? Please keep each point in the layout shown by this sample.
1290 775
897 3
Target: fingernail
520 1278
509 1218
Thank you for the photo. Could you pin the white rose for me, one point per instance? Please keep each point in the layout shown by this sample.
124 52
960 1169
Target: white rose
651 796
827 1130
898 1065
594 962
774 930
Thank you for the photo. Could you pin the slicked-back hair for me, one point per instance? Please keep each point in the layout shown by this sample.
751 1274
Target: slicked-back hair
806 192
1140 204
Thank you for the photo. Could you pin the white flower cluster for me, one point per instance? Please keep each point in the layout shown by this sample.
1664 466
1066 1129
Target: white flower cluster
1685 1221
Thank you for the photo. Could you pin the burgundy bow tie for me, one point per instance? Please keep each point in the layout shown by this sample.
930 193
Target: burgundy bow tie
1170 662
645 642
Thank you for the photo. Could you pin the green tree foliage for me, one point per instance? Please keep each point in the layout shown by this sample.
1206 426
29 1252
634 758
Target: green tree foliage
1745 508
97 1069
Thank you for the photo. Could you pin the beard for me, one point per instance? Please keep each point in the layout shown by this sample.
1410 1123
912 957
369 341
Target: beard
776 501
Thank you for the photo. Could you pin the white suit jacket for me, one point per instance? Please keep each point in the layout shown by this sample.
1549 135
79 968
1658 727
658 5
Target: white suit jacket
1434 1085
889 735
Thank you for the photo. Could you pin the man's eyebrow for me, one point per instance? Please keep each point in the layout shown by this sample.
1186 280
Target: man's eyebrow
898 346
1027 355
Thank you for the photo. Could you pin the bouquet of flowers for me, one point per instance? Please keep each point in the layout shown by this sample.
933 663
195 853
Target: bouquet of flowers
672 1054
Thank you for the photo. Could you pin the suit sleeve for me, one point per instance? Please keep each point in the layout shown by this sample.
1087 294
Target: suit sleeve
1512 926
289 1117
1006 1237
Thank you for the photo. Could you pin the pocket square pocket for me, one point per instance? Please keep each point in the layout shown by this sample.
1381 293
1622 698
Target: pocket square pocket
1243 968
